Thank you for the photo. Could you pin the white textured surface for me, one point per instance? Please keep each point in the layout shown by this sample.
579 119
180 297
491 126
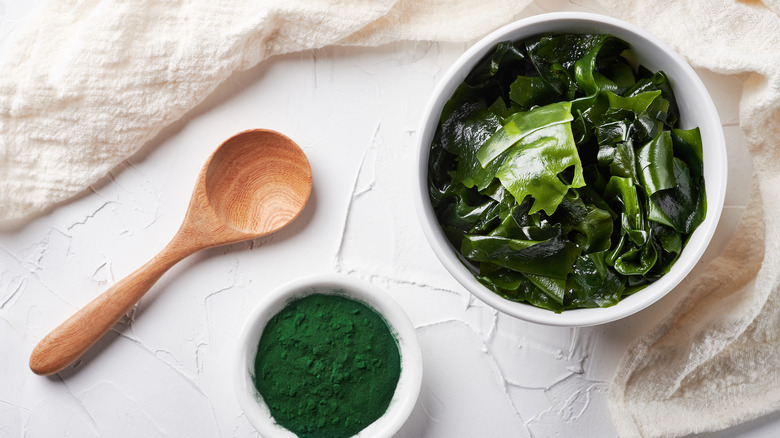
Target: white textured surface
164 371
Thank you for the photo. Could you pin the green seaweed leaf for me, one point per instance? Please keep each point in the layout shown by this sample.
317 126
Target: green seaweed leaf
594 283
554 288
553 257
632 221
532 167
655 164
521 125
684 205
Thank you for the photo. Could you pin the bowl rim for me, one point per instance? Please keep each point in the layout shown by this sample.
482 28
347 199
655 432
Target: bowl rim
409 382
448 256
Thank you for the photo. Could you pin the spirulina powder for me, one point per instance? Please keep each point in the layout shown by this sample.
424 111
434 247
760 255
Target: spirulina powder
327 366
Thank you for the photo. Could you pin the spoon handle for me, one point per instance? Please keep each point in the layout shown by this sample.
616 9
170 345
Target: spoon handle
78 333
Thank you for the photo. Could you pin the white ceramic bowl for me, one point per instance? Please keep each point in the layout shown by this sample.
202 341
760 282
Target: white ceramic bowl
696 109
408 388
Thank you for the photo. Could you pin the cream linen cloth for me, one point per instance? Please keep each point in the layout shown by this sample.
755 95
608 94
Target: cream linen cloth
88 82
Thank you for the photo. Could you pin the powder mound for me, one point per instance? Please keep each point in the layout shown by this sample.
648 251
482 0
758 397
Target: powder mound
327 366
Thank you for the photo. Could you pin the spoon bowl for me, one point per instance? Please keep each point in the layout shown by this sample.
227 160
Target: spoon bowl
257 190
254 183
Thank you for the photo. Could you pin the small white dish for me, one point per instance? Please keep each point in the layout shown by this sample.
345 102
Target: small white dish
696 109
406 392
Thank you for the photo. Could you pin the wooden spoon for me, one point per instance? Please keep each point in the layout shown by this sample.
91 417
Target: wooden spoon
255 183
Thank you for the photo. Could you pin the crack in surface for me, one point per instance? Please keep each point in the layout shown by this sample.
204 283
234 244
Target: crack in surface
14 405
554 352
426 409
190 381
378 278
337 258
540 387
13 294
493 328
92 423
575 336
88 217
98 269
491 359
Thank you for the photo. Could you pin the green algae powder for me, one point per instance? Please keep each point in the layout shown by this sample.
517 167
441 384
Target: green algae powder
327 366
